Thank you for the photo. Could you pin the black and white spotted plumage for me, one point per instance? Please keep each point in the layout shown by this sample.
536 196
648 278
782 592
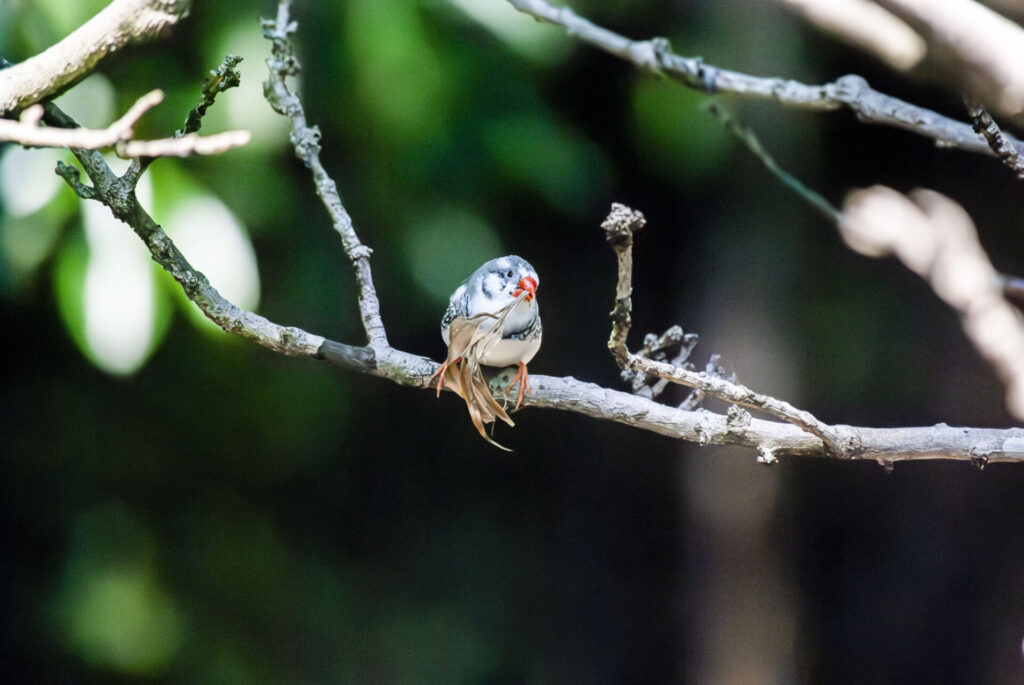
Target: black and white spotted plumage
490 288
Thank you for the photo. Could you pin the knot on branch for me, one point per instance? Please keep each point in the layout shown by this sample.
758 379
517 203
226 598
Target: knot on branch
360 251
849 88
307 143
737 418
620 225
651 54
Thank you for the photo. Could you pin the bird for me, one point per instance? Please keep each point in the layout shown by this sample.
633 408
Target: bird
501 293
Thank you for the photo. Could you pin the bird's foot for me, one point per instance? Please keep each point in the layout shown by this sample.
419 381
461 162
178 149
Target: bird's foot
440 373
523 378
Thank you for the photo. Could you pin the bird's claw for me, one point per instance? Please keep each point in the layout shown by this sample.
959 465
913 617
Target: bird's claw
440 376
523 378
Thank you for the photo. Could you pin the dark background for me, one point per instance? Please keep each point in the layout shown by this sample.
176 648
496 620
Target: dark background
224 514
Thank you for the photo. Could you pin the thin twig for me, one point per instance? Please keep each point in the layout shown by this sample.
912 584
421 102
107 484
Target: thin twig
27 131
183 146
753 144
224 77
306 140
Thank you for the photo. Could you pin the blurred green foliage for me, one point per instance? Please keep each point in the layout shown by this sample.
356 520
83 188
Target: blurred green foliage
222 514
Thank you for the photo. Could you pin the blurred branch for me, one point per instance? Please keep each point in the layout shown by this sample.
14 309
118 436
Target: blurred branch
849 91
62 65
27 131
936 239
983 47
867 26
975 43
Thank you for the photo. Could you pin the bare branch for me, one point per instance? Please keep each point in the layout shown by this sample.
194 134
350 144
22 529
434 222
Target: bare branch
884 445
306 140
184 146
62 65
224 77
119 195
27 131
850 91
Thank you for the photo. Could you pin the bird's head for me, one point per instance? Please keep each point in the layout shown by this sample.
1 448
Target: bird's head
508 277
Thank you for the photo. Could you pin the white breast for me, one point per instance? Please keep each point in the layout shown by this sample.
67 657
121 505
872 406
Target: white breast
509 351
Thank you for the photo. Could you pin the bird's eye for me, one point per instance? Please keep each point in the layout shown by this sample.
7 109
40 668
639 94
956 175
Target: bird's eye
508 274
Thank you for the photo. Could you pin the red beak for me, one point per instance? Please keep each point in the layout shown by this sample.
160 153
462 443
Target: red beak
529 284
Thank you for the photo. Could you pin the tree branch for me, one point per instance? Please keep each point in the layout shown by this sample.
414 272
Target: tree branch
27 131
62 65
850 91
619 228
306 139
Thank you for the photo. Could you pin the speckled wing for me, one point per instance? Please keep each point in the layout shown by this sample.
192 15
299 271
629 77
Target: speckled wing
458 306
532 331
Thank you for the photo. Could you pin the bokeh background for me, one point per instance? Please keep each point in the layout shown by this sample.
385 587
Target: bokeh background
178 505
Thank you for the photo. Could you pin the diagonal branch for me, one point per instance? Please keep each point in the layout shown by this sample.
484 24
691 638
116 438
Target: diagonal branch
850 91
60 66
